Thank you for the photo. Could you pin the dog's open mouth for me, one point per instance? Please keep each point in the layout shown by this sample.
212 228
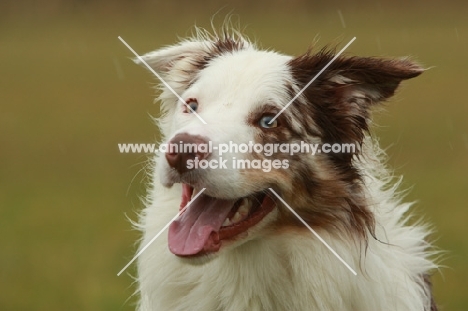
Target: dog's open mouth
208 221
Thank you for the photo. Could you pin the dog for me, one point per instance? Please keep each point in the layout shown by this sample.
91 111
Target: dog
235 244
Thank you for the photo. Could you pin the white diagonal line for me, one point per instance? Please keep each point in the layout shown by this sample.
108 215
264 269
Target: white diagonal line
313 79
159 233
313 231
161 79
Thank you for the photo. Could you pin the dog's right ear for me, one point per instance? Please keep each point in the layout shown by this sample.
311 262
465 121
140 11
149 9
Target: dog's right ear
178 64
165 59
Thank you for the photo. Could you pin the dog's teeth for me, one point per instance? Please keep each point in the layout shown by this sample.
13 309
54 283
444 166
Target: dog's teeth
237 217
245 206
226 223
241 214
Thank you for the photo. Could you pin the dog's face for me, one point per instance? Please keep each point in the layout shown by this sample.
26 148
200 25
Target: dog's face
238 91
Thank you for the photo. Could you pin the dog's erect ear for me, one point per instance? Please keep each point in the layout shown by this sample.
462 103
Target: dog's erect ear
341 96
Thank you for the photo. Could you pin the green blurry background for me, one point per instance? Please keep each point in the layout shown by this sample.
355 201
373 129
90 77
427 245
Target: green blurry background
69 94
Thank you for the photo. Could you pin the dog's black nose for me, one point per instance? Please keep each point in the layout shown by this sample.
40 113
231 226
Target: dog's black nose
184 150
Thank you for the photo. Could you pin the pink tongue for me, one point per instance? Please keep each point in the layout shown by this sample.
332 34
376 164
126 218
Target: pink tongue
196 230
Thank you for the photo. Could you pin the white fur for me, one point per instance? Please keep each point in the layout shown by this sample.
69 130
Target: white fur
274 270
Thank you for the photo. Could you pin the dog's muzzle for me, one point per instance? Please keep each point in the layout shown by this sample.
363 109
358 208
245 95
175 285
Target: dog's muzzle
185 147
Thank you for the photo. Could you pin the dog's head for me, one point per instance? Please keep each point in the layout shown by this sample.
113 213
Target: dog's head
231 94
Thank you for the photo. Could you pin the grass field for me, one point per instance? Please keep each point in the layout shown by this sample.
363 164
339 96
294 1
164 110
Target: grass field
69 94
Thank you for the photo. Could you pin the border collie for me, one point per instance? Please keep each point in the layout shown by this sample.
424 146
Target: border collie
237 246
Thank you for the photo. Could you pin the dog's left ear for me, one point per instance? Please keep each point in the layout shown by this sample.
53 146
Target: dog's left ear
341 97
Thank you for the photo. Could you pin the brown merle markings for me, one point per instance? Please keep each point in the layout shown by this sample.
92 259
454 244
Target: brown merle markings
338 103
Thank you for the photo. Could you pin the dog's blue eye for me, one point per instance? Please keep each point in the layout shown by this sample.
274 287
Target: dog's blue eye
265 121
193 104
